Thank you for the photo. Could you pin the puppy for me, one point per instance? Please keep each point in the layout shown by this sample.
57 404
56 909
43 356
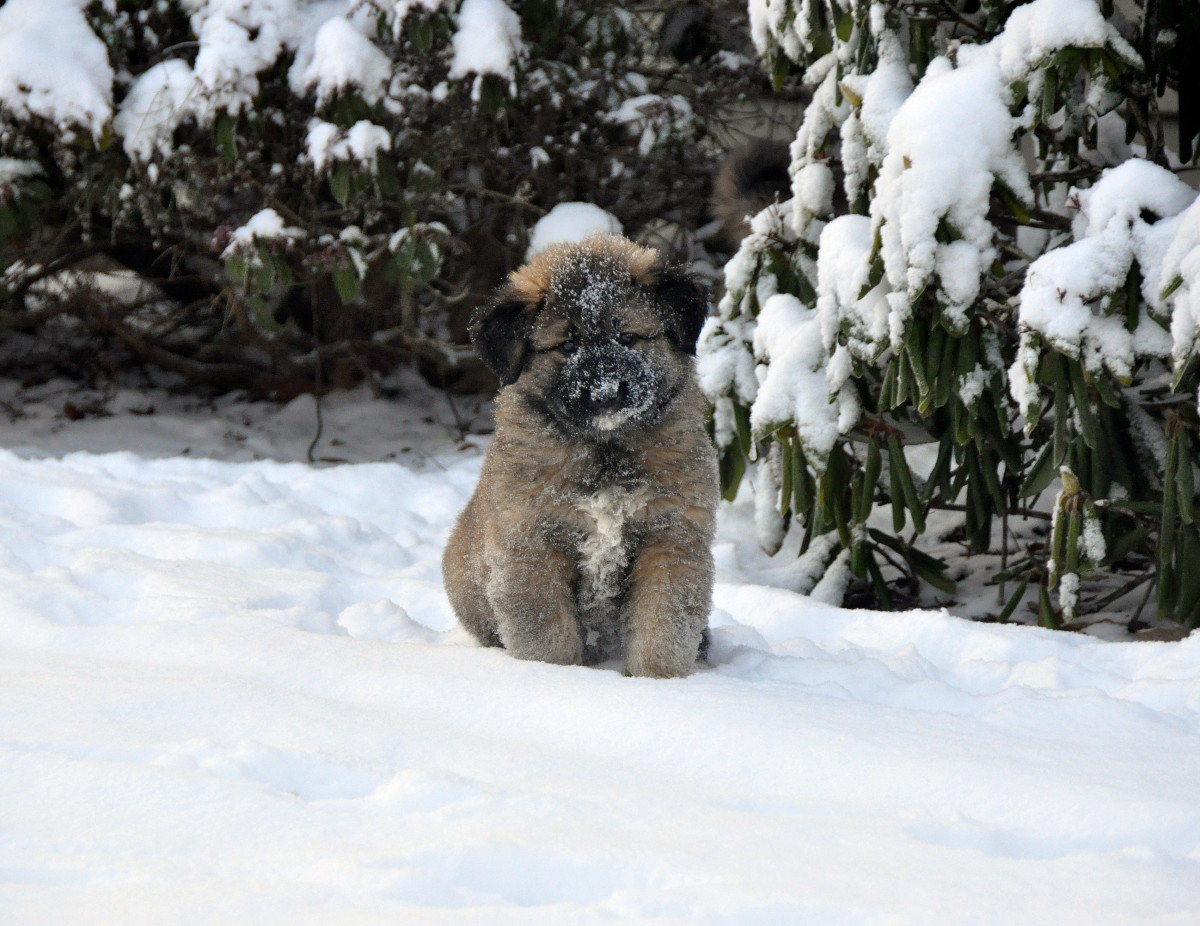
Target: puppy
589 534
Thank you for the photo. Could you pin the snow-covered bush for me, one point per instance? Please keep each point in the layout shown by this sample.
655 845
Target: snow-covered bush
336 179
991 248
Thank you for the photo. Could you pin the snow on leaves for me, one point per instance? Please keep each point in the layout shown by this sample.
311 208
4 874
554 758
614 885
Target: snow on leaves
940 151
343 60
488 40
52 66
1127 217
955 141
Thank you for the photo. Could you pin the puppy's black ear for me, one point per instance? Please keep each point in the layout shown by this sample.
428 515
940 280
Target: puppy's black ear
685 299
500 334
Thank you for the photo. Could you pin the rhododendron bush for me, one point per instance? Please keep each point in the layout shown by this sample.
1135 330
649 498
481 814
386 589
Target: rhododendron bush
982 298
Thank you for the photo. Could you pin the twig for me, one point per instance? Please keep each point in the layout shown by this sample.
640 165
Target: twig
1121 593
316 328
1023 512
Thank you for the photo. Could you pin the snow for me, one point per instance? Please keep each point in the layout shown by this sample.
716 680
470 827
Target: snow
362 143
13 169
488 40
237 40
156 103
571 222
651 117
343 59
265 225
794 387
946 176
1035 31
233 692
52 66
1128 216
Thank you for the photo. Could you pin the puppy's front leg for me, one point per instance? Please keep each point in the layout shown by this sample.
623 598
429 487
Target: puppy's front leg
530 589
670 595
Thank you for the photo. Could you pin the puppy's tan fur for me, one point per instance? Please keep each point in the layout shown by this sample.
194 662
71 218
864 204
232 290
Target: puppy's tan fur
584 538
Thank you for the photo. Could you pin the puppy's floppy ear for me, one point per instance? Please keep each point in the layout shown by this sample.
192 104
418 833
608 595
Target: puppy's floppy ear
685 299
500 333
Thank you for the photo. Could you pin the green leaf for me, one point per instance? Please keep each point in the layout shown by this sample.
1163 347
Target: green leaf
933 577
1046 616
1124 544
741 426
1083 405
1014 600
386 179
1184 478
882 592
339 182
1061 420
493 93
802 488
8 222
899 463
871 470
845 26
427 260
1009 198
896 490
1041 474
732 468
346 283
264 276
226 129
236 269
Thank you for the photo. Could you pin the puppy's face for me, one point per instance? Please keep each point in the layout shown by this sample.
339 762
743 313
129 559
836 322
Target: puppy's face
595 338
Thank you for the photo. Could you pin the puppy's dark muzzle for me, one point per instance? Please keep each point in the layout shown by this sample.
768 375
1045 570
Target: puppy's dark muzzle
607 397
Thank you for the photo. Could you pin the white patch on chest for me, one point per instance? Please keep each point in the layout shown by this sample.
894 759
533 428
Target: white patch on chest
602 554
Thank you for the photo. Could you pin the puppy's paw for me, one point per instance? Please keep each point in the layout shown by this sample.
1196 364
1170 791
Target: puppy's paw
560 644
659 662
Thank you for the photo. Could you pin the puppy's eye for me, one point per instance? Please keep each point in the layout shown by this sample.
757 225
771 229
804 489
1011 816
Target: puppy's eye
625 338
568 346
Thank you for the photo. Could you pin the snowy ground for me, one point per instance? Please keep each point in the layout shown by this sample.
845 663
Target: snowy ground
231 691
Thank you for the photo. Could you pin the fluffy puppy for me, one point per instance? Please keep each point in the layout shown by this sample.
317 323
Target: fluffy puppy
590 532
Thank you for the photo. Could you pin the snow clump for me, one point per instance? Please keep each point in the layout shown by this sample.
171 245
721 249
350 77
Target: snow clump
1128 217
156 103
361 143
266 225
488 41
342 59
52 66
569 222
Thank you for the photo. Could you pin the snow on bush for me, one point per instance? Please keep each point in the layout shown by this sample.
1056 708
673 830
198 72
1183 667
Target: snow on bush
488 41
159 129
52 66
343 60
980 278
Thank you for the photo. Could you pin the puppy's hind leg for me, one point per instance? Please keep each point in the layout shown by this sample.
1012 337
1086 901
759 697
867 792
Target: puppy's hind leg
464 573
531 591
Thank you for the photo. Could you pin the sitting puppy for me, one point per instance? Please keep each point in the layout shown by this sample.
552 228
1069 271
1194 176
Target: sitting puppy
589 533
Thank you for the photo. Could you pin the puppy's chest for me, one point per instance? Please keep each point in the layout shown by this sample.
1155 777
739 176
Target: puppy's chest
610 521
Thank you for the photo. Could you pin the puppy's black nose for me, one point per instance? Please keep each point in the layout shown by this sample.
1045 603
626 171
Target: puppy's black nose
607 397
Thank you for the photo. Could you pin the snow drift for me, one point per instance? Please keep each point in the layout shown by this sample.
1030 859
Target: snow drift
233 692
